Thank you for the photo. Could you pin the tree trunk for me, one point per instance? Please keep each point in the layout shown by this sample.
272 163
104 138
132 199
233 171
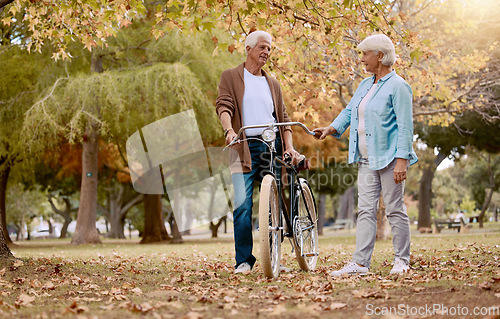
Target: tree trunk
66 214
491 177
176 234
153 220
321 212
383 227
485 208
86 231
4 249
64 229
4 177
215 227
117 229
114 213
51 227
425 192
19 232
118 212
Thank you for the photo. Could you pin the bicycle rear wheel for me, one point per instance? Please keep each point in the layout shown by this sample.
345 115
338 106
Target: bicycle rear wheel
305 227
269 232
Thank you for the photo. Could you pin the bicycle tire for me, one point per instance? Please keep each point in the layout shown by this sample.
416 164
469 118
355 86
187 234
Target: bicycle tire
269 232
307 216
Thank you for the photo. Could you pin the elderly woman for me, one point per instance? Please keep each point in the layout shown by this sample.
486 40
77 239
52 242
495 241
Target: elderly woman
380 141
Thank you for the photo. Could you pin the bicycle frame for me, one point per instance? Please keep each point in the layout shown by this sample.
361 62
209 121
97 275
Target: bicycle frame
294 187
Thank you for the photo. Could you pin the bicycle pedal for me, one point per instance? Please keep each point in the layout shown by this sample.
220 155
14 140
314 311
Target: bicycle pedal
310 255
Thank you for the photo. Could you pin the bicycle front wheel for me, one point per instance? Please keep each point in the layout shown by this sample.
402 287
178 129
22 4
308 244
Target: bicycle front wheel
269 231
305 227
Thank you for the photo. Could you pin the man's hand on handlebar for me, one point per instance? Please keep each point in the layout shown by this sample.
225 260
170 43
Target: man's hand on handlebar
323 132
230 136
296 156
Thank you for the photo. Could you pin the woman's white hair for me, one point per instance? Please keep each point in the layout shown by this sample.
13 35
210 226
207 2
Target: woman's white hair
254 37
380 43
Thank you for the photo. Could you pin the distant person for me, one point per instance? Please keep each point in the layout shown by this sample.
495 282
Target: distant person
460 216
249 96
380 141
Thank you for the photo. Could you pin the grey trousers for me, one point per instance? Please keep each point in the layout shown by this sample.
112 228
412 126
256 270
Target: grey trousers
370 184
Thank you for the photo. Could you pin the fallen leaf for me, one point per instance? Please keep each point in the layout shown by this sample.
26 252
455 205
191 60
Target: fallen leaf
176 304
48 286
2 271
485 285
24 300
193 315
119 297
337 305
75 308
278 310
18 263
137 291
35 283
229 299
369 293
319 298
126 286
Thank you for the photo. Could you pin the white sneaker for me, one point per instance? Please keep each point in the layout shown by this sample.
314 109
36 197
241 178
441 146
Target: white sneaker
243 268
399 267
350 269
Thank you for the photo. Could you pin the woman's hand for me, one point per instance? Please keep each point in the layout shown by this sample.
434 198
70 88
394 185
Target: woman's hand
323 132
400 170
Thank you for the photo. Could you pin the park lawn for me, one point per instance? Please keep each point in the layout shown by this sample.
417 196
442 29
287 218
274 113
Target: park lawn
121 279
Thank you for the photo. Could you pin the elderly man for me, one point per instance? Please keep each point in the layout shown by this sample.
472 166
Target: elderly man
249 96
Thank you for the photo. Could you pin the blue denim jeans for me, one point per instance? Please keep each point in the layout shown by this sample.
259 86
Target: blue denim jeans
243 199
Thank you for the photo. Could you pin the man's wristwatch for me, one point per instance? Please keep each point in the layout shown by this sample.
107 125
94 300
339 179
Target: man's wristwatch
227 131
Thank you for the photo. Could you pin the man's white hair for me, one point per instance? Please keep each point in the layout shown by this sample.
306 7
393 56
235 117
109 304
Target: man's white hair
380 43
255 36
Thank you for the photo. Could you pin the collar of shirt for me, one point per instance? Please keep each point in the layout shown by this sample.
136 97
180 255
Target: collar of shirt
385 78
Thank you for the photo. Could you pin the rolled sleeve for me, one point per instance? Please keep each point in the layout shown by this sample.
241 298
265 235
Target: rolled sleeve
286 119
402 101
224 101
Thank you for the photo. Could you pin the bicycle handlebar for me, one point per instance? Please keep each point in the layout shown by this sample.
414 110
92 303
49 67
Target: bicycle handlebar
271 126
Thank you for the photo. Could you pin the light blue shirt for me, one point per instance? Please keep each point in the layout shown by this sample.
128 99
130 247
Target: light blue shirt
388 122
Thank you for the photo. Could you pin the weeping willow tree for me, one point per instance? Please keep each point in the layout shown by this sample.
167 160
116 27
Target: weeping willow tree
23 77
112 105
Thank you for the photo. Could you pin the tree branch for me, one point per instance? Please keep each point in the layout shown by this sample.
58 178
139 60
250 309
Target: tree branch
3 3
241 25
130 204
54 208
103 209
440 111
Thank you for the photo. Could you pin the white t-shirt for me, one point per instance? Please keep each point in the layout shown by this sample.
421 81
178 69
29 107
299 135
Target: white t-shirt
362 148
258 104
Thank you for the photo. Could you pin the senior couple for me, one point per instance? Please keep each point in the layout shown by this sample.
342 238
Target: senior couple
380 141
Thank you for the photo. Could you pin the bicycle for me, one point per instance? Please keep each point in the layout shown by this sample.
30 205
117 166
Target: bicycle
299 224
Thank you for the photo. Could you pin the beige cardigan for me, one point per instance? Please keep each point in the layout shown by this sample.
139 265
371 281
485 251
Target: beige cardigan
230 100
